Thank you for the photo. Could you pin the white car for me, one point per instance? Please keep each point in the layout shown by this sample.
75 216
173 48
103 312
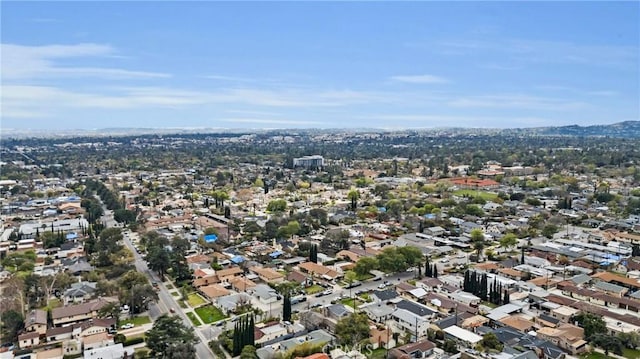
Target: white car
445 260
461 255
381 286
127 326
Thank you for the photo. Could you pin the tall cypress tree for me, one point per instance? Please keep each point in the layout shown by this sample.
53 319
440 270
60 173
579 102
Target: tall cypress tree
286 308
245 331
236 339
465 283
435 271
313 253
506 299
251 331
427 268
483 287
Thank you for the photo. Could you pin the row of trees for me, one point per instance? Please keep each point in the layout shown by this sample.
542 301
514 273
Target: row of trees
477 285
165 256
243 334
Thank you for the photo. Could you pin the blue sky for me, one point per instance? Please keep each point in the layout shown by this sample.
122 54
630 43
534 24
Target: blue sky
87 65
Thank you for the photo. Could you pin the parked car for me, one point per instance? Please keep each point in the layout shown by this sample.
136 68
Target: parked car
319 294
377 279
328 292
316 305
127 326
382 286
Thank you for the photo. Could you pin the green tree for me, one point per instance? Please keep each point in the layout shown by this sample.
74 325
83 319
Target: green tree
169 334
591 323
607 343
490 341
390 260
508 240
365 265
248 352
394 207
412 255
12 324
111 310
286 307
277 205
352 329
549 230
450 346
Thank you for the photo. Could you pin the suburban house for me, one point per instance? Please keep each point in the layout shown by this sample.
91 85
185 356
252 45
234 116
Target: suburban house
29 339
267 275
78 312
417 350
79 292
318 270
36 321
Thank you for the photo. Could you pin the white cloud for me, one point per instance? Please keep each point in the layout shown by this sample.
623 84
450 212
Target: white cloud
517 101
24 99
34 62
420 79
266 121
524 51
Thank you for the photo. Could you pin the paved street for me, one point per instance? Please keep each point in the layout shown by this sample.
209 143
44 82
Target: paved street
165 299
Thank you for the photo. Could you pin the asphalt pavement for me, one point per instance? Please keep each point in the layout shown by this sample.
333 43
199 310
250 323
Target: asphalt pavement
165 299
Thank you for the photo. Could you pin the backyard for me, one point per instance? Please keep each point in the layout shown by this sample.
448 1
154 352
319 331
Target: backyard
209 314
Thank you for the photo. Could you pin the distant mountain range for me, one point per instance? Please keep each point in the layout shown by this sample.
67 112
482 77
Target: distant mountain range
626 129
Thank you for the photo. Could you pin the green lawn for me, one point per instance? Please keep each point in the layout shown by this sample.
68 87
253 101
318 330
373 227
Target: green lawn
380 353
195 300
627 353
314 289
141 352
489 304
182 304
488 196
53 303
631 353
193 319
175 294
349 302
143 319
209 314
364 277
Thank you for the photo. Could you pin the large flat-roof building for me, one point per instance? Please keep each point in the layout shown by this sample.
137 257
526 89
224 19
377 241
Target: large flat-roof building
315 161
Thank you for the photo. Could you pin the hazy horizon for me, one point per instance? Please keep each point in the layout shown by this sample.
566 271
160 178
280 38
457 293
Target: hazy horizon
325 65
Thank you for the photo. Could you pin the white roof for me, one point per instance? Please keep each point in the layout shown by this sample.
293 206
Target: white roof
418 292
463 334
